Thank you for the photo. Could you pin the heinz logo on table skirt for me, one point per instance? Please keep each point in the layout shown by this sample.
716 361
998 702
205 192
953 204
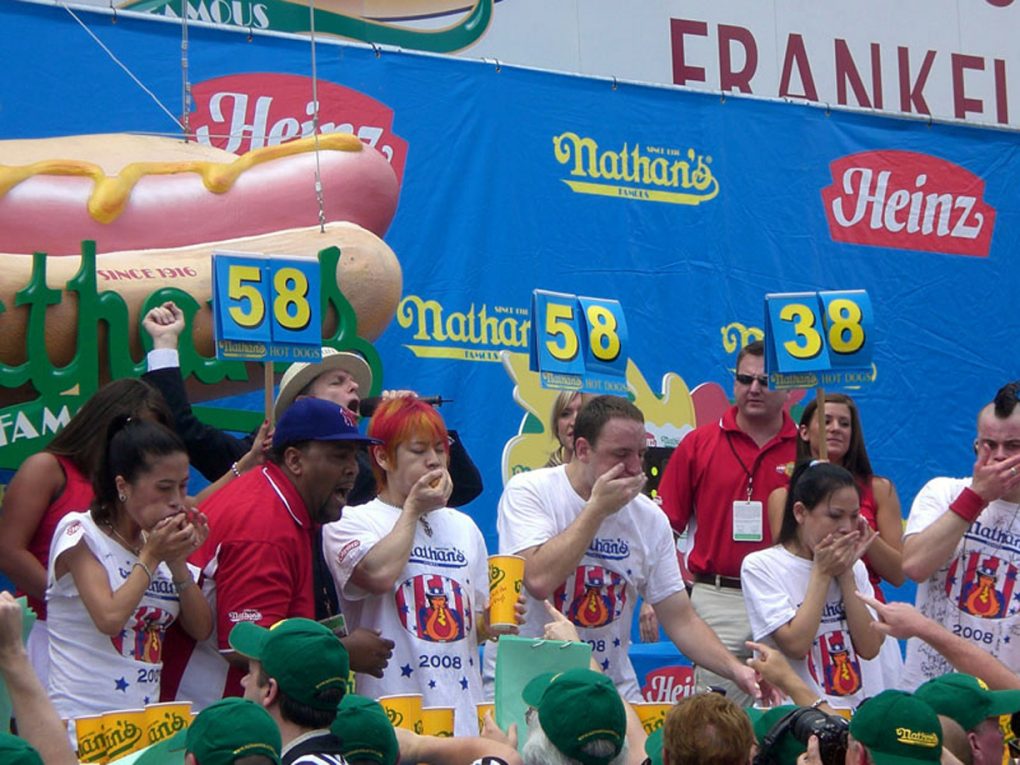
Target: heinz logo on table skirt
908 201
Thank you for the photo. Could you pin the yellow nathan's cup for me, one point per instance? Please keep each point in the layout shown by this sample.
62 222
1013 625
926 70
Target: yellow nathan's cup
92 746
482 709
437 721
125 732
652 714
164 720
506 578
404 711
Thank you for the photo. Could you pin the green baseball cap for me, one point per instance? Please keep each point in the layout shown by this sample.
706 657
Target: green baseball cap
787 748
365 730
16 751
222 732
304 657
967 699
898 729
578 706
653 745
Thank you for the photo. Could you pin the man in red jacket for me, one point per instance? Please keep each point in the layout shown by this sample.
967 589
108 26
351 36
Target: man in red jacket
716 486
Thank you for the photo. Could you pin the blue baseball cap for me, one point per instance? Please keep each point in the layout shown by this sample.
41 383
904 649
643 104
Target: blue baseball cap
315 419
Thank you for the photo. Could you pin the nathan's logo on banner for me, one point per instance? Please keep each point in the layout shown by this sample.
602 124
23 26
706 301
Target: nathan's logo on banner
248 111
478 334
633 171
909 201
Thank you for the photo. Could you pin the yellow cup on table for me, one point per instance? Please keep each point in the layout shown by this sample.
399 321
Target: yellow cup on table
484 708
125 732
404 711
506 578
652 714
165 719
92 745
437 721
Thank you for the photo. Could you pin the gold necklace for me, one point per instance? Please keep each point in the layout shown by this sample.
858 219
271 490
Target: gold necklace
127 545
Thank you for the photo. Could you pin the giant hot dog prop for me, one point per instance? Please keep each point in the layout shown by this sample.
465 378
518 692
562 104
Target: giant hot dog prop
166 205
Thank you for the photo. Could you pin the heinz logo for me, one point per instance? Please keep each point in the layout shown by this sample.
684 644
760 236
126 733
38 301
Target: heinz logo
242 112
908 201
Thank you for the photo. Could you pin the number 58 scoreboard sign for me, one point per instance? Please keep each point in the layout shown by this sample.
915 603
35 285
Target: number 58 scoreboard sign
818 339
578 343
266 308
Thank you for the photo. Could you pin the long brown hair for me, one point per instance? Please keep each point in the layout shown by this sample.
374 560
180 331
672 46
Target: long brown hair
83 441
856 458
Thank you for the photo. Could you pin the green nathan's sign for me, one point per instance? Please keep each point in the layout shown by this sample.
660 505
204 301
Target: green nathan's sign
103 352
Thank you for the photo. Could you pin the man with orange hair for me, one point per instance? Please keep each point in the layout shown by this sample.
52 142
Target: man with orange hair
410 566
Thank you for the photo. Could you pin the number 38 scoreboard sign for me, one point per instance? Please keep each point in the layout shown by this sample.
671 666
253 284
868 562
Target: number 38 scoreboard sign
266 308
818 339
578 343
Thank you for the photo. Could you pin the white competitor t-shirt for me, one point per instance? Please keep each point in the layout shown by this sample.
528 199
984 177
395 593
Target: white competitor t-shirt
774 583
975 593
92 673
431 613
631 554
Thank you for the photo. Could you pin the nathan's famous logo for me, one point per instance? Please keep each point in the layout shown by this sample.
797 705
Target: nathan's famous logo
908 201
597 597
242 112
983 586
434 608
365 20
652 173
477 334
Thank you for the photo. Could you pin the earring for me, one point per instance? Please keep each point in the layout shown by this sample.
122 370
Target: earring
122 498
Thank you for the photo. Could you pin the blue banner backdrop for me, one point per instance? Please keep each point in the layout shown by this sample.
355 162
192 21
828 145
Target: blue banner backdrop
687 208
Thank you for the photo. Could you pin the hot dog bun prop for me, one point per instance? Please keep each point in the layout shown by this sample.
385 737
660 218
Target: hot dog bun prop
158 220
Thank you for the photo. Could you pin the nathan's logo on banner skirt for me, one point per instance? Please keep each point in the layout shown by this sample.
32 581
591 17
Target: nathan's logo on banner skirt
908 201
478 334
242 112
649 173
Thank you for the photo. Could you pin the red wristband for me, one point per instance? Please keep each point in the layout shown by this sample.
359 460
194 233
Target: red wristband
968 505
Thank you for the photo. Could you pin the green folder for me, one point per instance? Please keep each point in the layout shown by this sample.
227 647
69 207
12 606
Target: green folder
521 659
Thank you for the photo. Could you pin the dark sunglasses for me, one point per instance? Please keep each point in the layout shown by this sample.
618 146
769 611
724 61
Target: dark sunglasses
763 380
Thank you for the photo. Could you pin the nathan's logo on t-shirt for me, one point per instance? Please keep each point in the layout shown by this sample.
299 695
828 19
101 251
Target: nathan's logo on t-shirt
609 549
447 557
983 586
247 615
841 672
73 528
434 608
594 597
142 636
352 545
908 201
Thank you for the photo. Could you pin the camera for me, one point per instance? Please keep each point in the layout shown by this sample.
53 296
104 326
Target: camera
802 723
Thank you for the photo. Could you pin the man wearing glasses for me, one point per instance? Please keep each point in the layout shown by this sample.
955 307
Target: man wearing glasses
962 547
716 485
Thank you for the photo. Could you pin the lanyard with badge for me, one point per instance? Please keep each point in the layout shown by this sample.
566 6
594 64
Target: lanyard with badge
747 514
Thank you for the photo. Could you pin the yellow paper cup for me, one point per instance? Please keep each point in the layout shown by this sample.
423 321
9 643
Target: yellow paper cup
404 711
92 746
651 714
506 578
482 710
164 720
437 721
125 732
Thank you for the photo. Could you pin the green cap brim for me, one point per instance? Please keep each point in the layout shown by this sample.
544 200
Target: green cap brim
248 639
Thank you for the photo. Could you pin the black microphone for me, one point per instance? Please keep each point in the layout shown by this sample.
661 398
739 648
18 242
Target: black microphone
367 406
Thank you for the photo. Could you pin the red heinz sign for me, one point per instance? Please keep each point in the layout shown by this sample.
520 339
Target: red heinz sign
242 112
908 201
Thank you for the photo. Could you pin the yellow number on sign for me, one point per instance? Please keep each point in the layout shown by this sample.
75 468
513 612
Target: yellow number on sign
846 335
604 342
242 283
558 322
291 288
804 325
